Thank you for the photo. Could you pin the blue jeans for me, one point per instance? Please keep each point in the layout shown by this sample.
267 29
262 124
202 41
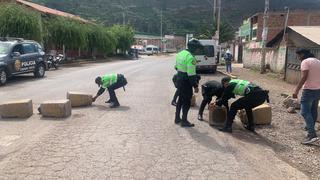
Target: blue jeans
229 67
309 109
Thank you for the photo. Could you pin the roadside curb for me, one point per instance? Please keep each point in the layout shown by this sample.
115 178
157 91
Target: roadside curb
229 75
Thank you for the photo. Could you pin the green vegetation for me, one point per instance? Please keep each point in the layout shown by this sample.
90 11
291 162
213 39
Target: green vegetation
17 21
180 16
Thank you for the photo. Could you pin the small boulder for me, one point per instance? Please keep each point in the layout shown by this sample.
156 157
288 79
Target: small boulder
290 102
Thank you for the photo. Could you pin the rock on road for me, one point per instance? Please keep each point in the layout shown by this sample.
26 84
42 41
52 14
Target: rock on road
137 141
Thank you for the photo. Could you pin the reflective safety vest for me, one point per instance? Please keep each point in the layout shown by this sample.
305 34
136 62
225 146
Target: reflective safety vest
108 80
186 63
241 86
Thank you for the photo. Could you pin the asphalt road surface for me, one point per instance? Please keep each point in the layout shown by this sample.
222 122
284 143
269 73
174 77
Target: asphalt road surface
137 141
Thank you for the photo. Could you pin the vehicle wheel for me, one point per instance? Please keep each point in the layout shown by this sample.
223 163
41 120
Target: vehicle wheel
3 77
214 70
40 71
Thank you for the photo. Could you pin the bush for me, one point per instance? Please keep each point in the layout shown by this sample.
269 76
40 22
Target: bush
17 21
124 36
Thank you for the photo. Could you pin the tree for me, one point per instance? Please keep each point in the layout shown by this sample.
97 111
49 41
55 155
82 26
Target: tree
101 40
226 32
17 21
124 36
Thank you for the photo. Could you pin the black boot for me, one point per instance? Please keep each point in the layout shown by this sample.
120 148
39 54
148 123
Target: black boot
114 105
226 129
177 121
200 117
249 128
186 123
109 101
173 103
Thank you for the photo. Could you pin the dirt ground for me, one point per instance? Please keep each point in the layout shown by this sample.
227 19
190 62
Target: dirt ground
287 130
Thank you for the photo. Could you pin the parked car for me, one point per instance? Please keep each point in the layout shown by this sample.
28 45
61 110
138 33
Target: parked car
151 50
19 56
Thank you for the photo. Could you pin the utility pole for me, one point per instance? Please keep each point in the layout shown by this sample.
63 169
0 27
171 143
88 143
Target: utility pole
161 30
286 23
214 11
218 21
264 37
123 18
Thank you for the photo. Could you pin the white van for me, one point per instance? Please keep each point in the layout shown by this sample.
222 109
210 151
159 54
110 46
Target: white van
151 50
206 58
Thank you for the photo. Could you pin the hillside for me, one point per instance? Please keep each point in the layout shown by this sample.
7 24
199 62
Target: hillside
180 16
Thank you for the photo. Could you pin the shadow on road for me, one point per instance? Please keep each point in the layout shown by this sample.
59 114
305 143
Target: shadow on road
54 119
207 141
254 138
13 119
107 108
21 79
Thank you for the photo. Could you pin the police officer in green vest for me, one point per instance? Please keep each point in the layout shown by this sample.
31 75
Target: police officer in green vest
110 82
251 97
186 81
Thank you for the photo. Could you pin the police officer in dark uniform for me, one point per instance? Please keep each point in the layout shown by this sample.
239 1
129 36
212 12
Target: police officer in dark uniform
186 81
210 89
251 97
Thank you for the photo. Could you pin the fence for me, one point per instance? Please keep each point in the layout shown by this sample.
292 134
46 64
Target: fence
292 71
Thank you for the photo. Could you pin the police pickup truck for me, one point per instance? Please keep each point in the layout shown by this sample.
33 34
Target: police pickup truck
19 56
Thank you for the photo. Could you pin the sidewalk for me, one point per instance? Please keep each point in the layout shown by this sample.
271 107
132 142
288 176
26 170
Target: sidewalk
286 131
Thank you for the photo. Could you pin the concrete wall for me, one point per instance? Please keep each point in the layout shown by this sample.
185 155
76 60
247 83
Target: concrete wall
275 58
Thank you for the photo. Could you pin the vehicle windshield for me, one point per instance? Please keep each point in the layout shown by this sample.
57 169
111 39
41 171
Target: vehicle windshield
4 48
149 49
206 51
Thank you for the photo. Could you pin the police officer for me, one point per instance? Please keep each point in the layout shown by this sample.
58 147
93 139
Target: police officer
110 82
252 96
210 89
176 94
186 81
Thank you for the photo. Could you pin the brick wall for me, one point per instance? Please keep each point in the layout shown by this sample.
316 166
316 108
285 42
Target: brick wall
296 18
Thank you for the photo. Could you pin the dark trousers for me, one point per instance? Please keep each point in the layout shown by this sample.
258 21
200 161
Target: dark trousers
309 109
184 102
248 102
176 95
121 82
206 100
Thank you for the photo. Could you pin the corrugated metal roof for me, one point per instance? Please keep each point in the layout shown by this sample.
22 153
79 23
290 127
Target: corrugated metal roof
310 32
142 36
47 10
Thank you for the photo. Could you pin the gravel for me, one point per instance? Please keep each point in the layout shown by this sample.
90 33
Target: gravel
287 130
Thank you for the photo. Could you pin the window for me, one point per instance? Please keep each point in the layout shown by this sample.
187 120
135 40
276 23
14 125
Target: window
200 51
18 48
209 51
254 33
29 48
4 48
39 48
206 51
149 49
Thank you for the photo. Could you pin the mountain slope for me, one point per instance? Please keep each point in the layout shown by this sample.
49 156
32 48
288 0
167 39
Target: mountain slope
180 16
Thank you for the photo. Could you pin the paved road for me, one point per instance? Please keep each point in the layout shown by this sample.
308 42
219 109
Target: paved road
137 141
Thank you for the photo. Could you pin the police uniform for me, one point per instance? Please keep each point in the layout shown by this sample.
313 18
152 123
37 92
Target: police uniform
186 80
252 96
210 89
112 82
